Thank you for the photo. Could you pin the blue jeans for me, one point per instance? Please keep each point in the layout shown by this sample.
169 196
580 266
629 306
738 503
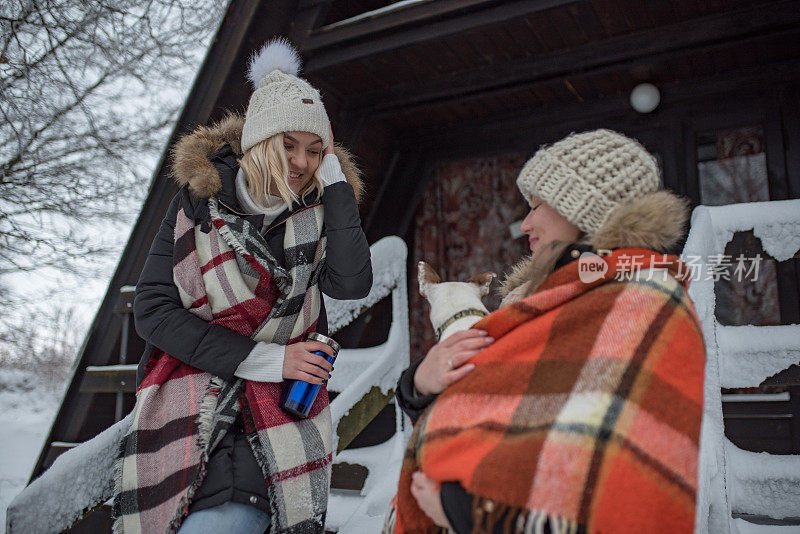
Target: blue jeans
230 518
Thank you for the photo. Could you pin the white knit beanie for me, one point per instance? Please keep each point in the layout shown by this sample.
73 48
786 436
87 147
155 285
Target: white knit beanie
281 102
586 176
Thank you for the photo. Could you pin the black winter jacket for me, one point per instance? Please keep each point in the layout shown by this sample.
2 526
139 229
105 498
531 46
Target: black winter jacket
161 320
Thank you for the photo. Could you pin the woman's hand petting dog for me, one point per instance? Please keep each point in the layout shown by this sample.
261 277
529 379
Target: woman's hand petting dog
299 363
426 491
446 362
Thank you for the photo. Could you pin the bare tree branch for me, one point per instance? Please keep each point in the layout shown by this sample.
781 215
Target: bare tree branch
88 91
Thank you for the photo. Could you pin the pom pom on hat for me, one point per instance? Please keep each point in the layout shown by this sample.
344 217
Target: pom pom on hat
277 54
281 102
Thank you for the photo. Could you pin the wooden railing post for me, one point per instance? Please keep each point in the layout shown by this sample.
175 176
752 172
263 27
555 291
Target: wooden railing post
124 309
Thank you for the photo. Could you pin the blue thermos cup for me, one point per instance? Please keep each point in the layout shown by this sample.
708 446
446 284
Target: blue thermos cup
298 395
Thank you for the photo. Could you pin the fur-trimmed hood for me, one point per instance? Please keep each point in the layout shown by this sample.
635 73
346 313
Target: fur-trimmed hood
656 221
191 164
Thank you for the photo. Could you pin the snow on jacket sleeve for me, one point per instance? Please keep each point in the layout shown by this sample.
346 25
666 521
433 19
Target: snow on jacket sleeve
347 271
162 321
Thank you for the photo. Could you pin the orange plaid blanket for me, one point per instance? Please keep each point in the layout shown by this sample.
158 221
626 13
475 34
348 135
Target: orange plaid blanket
584 415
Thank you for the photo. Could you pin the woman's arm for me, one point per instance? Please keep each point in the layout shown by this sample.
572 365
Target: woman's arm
457 506
347 271
270 362
448 505
161 319
446 363
409 400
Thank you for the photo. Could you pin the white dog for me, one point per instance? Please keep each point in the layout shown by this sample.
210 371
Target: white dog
455 306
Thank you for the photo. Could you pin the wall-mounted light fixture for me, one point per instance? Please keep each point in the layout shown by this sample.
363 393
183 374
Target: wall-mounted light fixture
645 97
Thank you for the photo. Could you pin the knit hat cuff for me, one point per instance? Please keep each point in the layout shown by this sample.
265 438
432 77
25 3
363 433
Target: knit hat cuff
289 116
559 185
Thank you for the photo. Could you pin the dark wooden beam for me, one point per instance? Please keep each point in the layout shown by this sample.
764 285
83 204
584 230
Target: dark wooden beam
647 46
399 34
308 17
348 476
393 210
93 521
339 32
388 178
766 520
110 379
789 377
790 113
394 199
685 93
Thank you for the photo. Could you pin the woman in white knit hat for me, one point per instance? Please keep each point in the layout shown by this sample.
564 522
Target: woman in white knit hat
265 221
576 406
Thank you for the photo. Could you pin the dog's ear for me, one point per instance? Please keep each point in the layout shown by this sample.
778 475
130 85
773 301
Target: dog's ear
484 280
426 276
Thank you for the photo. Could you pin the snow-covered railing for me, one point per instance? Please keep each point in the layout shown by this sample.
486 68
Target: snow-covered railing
751 354
731 479
365 379
78 480
82 477
761 481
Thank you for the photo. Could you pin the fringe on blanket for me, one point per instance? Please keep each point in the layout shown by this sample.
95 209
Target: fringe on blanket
488 515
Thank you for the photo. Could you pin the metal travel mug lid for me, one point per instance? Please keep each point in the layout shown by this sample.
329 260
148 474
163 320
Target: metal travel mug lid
314 336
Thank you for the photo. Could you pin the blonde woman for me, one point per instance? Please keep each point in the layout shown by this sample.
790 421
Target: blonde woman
265 221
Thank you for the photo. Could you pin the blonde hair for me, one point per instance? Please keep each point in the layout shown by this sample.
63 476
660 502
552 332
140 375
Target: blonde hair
267 170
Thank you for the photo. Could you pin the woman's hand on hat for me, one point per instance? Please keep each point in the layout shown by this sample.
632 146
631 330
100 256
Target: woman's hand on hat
426 492
447 361
300 363
329 148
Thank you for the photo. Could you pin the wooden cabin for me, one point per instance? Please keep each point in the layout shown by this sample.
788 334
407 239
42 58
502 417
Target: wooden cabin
442 101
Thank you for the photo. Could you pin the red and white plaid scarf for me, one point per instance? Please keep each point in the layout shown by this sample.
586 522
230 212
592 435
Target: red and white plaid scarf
228 277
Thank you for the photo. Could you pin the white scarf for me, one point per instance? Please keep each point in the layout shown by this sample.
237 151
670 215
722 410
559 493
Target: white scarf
271 208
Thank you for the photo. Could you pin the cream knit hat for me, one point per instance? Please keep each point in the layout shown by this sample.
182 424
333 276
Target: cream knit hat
586 176
281 102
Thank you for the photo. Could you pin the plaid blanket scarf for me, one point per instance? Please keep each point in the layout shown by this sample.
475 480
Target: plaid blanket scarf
228 277
583 416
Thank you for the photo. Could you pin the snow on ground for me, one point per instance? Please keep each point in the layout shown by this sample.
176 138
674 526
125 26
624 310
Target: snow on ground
27 409
352 512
